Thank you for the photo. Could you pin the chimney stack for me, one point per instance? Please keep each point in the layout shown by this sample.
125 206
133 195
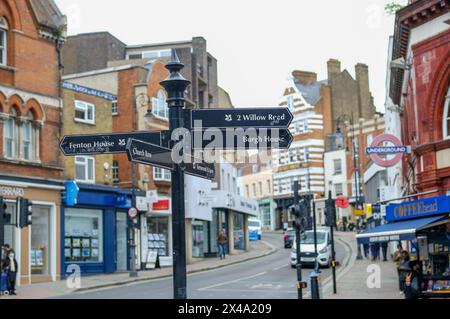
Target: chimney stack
334 68
305 77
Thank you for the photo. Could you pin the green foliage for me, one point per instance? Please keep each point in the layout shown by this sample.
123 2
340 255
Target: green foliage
57 33
392 7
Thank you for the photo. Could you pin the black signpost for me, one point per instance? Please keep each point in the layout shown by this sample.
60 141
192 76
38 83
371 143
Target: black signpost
244 117
241 139
94 144
264 128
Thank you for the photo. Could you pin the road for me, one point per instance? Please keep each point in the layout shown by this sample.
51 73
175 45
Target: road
270 277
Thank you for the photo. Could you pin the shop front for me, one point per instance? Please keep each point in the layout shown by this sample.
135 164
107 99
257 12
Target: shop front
424 226
157 230
37 247
267 213
95 230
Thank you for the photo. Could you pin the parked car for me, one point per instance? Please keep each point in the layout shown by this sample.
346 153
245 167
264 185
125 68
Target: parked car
289 236
307 248
255 227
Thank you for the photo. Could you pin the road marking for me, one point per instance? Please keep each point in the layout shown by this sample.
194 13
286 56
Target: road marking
232 281
281 267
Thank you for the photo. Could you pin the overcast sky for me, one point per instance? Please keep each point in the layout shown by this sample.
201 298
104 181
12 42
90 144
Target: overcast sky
257 42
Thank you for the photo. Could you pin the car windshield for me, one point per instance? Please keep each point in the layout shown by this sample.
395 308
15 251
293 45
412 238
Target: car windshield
307 238
253 224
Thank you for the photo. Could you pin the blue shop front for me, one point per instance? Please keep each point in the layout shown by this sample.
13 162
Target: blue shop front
95 228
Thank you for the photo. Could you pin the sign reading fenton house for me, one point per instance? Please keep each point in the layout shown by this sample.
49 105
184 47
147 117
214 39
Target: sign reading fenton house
420 208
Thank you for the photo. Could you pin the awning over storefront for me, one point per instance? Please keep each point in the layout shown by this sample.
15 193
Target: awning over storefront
404 230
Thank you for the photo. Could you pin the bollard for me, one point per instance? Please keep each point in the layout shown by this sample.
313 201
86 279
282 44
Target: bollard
315 284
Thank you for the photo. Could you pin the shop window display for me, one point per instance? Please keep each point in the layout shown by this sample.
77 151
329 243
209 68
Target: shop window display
158 229
40 239
238 232
83 235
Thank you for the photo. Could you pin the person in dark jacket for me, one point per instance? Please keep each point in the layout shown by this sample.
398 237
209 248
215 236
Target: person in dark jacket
11 268
384 248
413 280
404 269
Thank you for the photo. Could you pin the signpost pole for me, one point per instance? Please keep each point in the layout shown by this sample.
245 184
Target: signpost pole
133 271
175 86
298 243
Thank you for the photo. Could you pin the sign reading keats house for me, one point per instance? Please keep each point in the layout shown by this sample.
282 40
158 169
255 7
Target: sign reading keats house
420 208
89 91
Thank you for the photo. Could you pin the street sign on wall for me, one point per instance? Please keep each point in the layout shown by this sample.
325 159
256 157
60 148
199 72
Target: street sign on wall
93 144
244 117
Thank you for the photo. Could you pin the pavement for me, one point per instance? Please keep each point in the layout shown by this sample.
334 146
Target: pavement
363 279
257 250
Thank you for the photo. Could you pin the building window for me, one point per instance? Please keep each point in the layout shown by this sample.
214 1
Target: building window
84 112
83 241
160 174
306 154
254 190
247 192
115 171
446 124
305 126
290 102
338 189
3 41
337 166
269 188
10 135
114 108
29 136
159 106
85 169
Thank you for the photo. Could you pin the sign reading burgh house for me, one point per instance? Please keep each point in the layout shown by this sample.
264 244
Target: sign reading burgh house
419 208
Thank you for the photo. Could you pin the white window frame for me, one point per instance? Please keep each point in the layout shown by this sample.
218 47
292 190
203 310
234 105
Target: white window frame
159 106
114 108
335 171
336 193
31 141
12 138
161 174
84 106
86 159
446 117
114 170
4 48
290 102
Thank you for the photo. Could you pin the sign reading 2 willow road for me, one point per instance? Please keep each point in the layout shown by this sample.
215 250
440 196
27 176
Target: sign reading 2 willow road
245 117
241 139
72 145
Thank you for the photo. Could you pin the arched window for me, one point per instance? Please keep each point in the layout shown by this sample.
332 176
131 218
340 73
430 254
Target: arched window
159 105
29 145
10 135
3 41
446 117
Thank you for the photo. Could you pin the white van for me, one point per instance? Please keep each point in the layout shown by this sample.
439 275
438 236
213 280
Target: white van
307 248
255 226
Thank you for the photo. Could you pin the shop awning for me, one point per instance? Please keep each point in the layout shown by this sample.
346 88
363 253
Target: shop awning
404 230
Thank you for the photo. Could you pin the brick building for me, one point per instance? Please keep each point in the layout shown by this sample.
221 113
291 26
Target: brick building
31 166
420 91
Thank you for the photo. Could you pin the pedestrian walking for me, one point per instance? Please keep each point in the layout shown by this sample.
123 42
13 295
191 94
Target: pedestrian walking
11 268
366 250
413 280
222 241
384 248
404 269
375 251
398 257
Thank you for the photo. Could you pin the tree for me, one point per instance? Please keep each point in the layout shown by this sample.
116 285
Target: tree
392 7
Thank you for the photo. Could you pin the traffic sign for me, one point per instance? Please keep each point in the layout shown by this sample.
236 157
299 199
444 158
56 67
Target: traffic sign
278 117
149 154
93 144
375 150
342 202
241 139
133 213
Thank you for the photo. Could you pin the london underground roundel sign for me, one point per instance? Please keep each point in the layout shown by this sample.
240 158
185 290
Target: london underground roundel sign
375 150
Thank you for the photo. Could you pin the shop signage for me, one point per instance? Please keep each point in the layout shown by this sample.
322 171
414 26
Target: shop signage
161 205
241 139
73 145
244 117
223 199
375 150
12 191
141 203
152 258
89 91
420 208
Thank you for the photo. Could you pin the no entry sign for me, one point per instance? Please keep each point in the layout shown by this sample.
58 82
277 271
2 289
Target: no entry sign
375 150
